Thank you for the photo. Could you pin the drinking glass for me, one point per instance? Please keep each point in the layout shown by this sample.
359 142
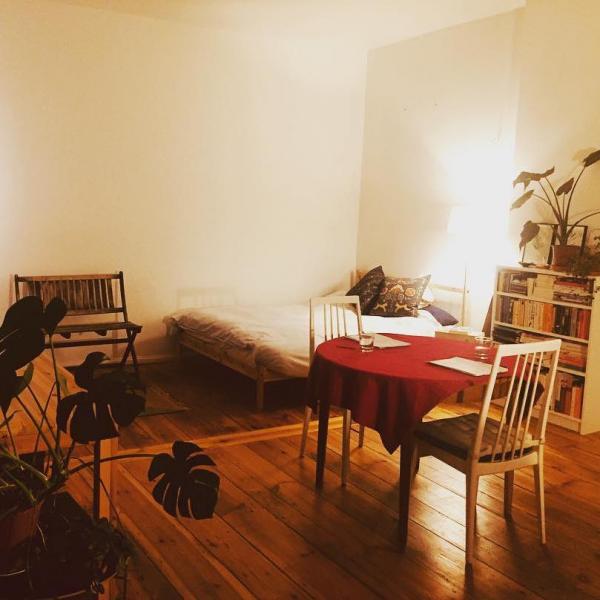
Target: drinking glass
483 347
366 341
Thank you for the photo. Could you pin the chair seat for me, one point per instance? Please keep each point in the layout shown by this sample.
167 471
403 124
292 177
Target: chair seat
97 327
455 435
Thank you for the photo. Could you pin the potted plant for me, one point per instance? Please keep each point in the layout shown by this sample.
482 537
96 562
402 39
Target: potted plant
587 263
559 200
32 479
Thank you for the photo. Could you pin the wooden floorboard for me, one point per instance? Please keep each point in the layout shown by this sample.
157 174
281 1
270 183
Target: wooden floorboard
273 536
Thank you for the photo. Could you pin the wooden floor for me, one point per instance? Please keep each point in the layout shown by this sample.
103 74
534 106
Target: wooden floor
274 537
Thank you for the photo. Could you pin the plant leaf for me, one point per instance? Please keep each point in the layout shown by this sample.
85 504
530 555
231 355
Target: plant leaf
592 158
526 177
84 373
529 231
566 187
54 313
521 200
25 379
184 488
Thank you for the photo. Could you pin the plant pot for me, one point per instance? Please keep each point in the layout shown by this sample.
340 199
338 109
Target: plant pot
562 254
17 528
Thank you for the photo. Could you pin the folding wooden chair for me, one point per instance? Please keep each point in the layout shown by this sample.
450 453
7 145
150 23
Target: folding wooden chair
86 296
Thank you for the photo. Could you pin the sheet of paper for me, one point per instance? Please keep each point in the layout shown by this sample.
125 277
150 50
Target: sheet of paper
382 341
466 365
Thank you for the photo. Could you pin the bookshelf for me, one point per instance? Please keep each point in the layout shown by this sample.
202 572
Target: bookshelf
535 304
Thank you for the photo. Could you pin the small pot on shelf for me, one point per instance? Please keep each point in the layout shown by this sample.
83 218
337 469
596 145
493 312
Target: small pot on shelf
562 254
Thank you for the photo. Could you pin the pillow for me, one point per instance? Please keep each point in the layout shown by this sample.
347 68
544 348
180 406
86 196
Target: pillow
427 298
367 289
440 315
399 296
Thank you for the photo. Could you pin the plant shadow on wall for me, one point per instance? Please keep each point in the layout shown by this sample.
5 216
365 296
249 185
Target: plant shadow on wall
560 202
50 545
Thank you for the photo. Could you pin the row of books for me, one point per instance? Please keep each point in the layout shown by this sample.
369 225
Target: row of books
567 397
563 320
548 287
572 355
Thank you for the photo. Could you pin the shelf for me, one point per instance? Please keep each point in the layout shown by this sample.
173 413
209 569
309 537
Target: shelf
565 421
540 332
563 416
571 371
534 299
543 271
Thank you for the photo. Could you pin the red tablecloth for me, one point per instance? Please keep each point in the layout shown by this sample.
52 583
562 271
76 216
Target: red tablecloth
389 390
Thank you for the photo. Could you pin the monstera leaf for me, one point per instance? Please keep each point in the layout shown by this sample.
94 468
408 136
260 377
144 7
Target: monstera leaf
185 488
22 340
109 399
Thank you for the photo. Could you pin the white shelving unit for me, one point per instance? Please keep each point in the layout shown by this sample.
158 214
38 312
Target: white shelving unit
590 409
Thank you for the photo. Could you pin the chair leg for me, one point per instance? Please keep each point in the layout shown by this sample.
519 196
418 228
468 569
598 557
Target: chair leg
472 487
307 416
509 478
346 446
538 475
361 436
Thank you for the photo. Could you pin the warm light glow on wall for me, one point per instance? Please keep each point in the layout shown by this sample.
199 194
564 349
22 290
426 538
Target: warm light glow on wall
479 180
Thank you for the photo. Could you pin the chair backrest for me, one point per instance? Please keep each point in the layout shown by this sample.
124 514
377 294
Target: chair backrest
339 313
534 367
83 294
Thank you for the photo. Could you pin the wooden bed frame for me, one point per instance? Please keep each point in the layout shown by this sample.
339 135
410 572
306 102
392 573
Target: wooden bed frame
236 359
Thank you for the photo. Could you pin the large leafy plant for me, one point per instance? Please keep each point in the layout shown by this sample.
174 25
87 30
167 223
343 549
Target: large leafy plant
559 200
107 399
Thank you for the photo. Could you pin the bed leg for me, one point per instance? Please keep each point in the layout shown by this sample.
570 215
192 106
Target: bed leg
260 391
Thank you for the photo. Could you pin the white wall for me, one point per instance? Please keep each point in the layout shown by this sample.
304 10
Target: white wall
186 156
191 144
558 48
439 131
453 116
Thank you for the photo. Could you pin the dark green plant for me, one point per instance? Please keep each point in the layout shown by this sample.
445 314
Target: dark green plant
587 262
88 416
559 200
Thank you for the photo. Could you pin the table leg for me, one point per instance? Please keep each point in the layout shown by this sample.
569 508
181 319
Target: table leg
322 441
407 464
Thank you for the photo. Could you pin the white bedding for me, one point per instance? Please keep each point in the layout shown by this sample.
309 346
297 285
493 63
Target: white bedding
276 337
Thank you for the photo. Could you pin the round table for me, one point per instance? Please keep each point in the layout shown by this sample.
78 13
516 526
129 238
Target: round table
389 390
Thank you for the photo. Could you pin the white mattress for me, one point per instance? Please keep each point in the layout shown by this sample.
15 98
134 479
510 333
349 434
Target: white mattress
276 337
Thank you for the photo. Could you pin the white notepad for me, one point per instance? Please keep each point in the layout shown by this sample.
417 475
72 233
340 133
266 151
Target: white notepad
466 365
382 341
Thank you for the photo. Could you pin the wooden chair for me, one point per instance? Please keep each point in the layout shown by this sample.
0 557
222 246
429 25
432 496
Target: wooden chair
478 445
86 296
336 312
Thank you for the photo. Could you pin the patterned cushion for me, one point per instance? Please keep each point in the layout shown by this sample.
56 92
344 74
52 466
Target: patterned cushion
367 289
399 297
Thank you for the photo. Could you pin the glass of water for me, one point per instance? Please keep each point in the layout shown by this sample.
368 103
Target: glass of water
483 347
366 341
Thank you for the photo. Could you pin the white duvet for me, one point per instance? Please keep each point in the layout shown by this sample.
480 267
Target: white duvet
276 337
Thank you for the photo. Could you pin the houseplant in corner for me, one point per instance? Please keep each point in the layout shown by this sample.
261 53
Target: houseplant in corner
66 546
559 200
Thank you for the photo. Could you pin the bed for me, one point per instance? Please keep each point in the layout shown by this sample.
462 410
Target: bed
270 343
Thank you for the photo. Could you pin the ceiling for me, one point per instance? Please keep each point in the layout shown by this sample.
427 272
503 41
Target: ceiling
366 24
